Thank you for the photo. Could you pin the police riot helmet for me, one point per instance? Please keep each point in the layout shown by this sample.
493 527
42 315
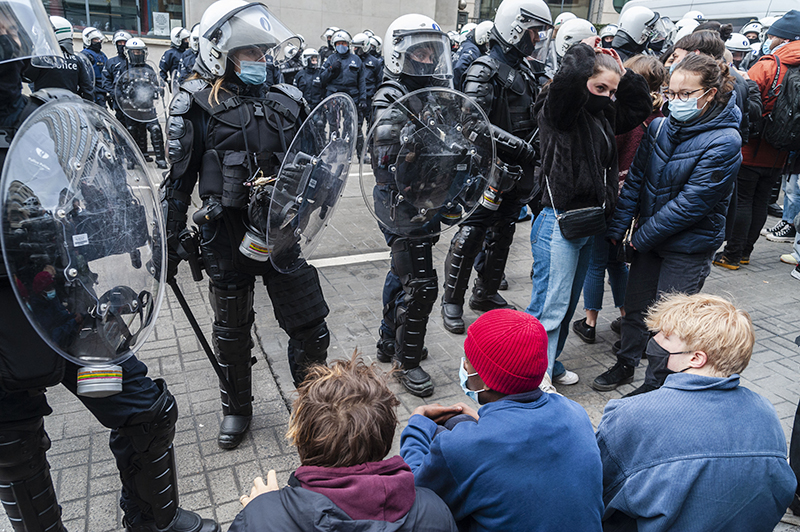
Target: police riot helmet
62 27
738 43
465 29
522 24
695 15
375 43
753 26
91 33
194 38
341 36
482 32
136 51
308 54
121 35
608 31
229 25
328 33
178 35
638 23
417 47
361 43
572 32
563 17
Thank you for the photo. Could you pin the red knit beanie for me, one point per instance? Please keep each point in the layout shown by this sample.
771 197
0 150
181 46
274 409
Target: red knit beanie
508 349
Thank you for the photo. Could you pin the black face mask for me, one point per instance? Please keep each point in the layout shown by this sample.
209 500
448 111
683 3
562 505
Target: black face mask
607 44
597 103
422 69
8 48
96 47
121 49
655 353
525 46
184 45
753 40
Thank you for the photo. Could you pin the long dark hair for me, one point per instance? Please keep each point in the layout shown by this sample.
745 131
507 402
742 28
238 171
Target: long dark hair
713 74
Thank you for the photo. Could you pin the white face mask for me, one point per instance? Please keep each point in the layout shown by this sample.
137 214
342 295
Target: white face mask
463 376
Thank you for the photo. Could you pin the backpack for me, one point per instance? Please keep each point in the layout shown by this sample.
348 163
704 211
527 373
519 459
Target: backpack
782 124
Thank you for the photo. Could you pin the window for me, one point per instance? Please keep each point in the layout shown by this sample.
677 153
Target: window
158 16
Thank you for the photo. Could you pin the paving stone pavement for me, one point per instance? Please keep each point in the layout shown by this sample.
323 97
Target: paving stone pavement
211 480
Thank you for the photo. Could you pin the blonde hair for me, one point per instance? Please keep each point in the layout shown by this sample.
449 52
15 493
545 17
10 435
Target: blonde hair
706 323
653 72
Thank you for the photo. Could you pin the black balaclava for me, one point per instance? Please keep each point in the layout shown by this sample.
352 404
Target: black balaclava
96 47
184 45
121 49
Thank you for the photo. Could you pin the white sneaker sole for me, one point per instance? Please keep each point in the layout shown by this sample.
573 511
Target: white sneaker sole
567 379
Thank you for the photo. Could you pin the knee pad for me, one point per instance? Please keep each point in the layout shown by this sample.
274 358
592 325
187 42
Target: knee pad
500 237
412 259
297 298
420 296
310 346
22 449
233 308
467 241
153 430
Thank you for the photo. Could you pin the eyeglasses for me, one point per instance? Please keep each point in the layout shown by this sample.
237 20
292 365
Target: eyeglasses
683 95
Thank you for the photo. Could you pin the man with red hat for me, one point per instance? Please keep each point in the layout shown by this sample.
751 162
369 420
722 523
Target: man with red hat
531 461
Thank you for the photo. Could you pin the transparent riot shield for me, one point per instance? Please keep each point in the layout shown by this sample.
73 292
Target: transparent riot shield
80 231
432 155
304 195
139 93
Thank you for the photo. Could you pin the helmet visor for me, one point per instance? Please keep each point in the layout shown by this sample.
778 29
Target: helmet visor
26 33
663 28
248 26
424 54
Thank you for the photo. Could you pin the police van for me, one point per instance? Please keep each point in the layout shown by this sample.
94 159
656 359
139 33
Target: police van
735 12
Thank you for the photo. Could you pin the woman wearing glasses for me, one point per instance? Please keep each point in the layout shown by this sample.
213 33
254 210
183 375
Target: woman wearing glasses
679 187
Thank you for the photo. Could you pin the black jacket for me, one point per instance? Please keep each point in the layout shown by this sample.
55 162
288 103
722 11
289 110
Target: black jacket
344 73
307 80
295 509
579 151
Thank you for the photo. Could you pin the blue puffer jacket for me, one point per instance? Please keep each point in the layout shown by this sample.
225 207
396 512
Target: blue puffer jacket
680 183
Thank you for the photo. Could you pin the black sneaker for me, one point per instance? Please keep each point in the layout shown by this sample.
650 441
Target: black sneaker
585 332
785 234
723 261
619 374
415 380
777 227
644 388
616 325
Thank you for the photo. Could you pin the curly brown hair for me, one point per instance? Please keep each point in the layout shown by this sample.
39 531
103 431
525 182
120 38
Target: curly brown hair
344 415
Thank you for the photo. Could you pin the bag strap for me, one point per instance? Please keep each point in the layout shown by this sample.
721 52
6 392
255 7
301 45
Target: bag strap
771 93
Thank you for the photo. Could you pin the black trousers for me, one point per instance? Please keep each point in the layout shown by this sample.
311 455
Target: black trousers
753 189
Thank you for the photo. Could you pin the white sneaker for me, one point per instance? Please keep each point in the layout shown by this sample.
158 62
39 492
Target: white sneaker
796 272
566 378
547 385
789 258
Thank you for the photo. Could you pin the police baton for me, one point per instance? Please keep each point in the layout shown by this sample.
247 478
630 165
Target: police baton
223 379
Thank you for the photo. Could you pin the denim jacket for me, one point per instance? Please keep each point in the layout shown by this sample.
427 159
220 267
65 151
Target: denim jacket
699 454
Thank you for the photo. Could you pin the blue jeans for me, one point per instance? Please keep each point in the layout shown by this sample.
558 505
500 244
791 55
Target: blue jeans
559 269
791 198
604 258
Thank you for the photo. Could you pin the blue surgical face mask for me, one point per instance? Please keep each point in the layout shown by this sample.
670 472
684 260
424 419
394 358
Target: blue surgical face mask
252 72
765 46
672 68
463 376
342 48
50 294
685 111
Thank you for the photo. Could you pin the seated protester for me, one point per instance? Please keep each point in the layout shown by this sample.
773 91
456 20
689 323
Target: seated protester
531 462
343 424
701 452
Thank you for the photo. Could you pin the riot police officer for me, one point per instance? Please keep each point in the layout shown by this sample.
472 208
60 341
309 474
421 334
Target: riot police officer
343 71
327 48
74 73
504 86
190 55
636 28
136 50
170 65
93 50
307 80
142 416
373 74
464 56
292 65
115 65
225 128
417 55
